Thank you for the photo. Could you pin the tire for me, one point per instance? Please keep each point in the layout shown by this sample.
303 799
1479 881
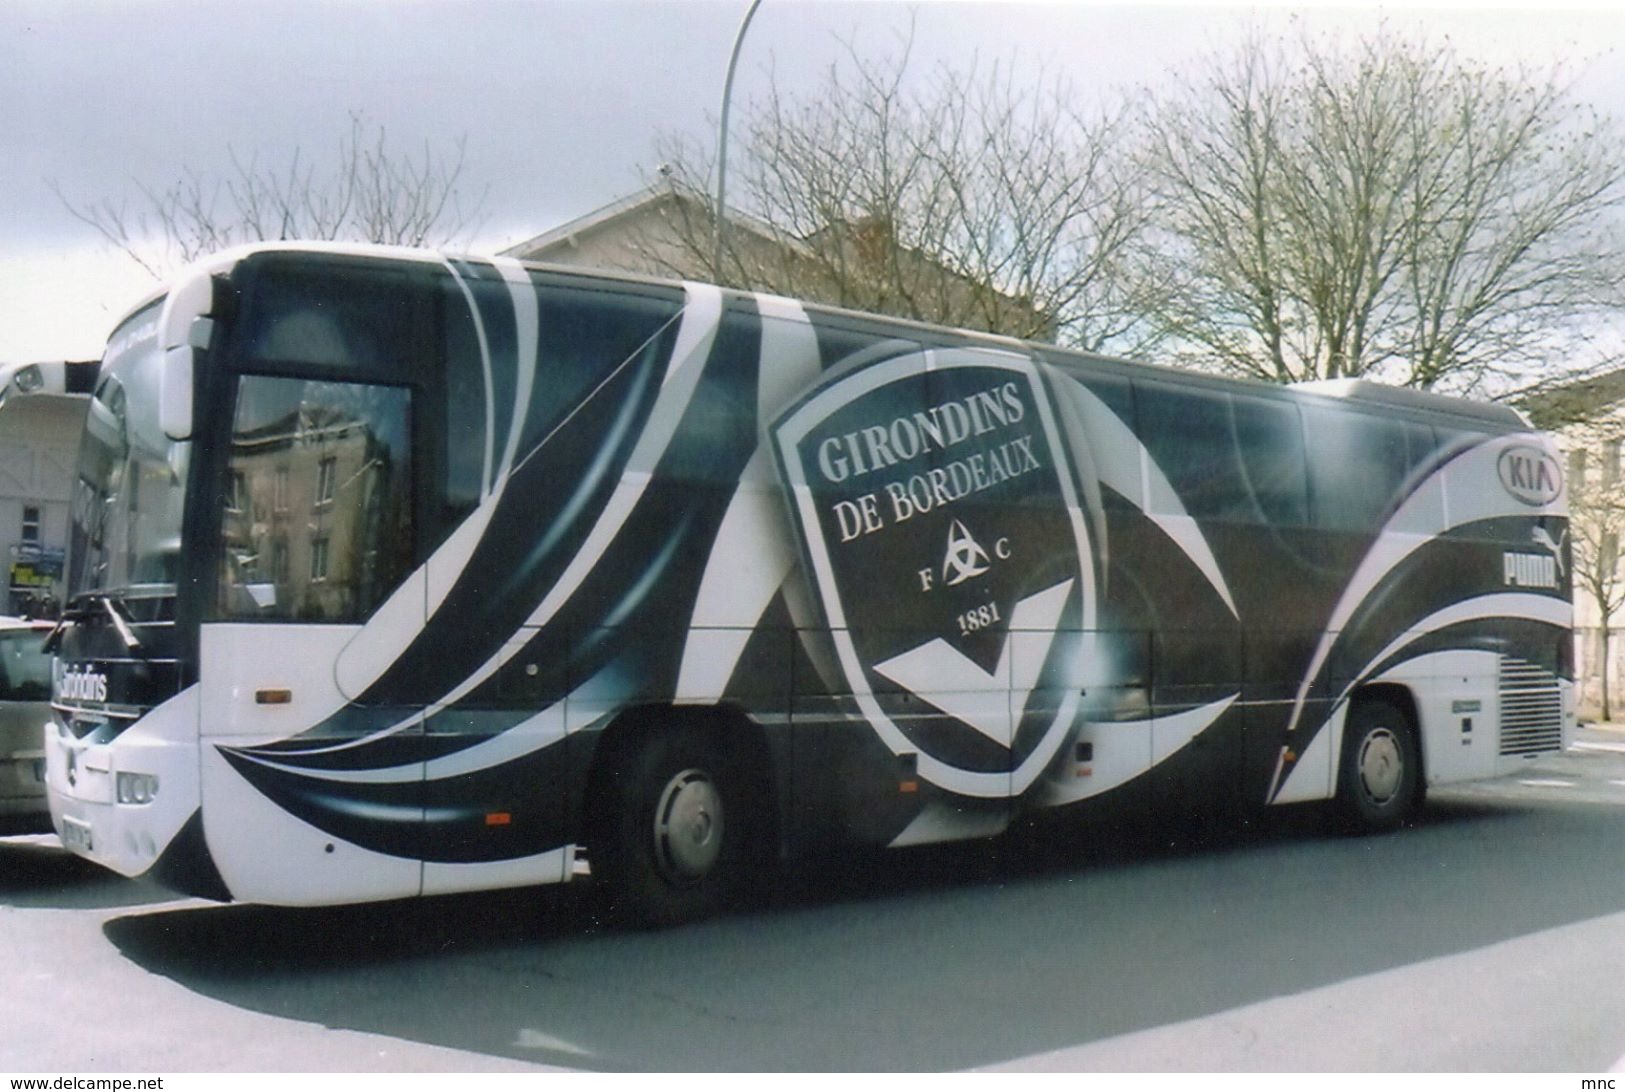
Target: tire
677 828
1379 780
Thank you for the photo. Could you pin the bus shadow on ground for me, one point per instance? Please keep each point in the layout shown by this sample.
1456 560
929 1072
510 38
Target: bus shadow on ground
36 873
246 941
944 958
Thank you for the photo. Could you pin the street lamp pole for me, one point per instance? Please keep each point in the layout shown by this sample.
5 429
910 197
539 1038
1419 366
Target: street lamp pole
719 213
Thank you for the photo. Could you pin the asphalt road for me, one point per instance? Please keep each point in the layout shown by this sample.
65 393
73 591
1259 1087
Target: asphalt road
1486 938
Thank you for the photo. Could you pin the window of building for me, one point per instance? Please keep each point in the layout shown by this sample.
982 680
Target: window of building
326 479
237 500
31 524
1577 468
318 559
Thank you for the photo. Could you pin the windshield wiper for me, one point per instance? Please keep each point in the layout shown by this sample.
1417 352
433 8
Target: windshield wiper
115 611
89 607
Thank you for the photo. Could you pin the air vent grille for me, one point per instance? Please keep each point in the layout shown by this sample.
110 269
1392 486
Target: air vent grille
1531 709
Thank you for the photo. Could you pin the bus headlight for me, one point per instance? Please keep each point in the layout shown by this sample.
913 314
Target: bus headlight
136 788
29 379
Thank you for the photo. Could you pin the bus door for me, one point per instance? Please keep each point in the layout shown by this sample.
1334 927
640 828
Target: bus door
311 729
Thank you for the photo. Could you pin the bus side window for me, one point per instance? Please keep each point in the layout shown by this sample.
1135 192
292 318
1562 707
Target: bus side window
1358 467
588 336
1233 458
465 406
329 466
331 319
1269 448
1187 434
1422 443
1436 447
311 337
719 427
1105 413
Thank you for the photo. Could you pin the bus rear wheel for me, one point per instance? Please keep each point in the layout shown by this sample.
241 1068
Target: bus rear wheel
674 835
1379 780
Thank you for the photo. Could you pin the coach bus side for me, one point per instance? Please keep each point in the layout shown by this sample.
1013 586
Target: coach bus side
448 569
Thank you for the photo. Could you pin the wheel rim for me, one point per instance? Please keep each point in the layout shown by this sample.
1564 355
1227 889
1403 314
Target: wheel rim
688 826
1381 765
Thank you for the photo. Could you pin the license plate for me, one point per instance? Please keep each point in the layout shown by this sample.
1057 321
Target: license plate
76 835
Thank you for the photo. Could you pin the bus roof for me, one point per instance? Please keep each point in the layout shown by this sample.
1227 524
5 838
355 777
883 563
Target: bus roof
1381 395
1358 392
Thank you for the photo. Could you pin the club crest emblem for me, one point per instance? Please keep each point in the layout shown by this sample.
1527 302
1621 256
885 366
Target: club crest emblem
965 557
940 523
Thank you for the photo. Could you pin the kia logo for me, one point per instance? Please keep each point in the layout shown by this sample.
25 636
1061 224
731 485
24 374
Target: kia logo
1530 474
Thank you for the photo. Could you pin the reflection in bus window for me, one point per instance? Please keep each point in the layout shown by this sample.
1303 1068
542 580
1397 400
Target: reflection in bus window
318 514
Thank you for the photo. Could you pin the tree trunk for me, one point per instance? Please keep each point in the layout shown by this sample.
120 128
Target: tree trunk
1607 709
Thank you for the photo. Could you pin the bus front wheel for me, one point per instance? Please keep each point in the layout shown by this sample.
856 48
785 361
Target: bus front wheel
674 829
1379 777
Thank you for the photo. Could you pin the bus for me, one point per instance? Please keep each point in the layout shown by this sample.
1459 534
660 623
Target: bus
395 574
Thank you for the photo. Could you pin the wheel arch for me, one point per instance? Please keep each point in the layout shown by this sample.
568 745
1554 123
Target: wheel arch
731 726
1355 809
1400 696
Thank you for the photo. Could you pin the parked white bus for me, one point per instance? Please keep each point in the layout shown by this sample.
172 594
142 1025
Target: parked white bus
395 574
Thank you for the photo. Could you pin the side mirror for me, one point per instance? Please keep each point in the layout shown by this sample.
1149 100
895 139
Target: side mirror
183 329
175 393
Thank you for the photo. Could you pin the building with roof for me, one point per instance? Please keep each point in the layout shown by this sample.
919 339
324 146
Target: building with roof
1586 417
668 231
42 411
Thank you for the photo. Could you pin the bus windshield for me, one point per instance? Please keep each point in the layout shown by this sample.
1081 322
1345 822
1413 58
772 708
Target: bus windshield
130 488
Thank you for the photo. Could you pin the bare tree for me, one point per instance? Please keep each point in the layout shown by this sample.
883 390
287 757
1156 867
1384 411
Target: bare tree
965 198
1596 528
368 193
1387 209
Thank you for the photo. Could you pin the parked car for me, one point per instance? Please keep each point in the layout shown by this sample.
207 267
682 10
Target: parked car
25 709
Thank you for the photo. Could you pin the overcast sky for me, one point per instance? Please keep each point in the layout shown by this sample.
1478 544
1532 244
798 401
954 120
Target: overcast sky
559 100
